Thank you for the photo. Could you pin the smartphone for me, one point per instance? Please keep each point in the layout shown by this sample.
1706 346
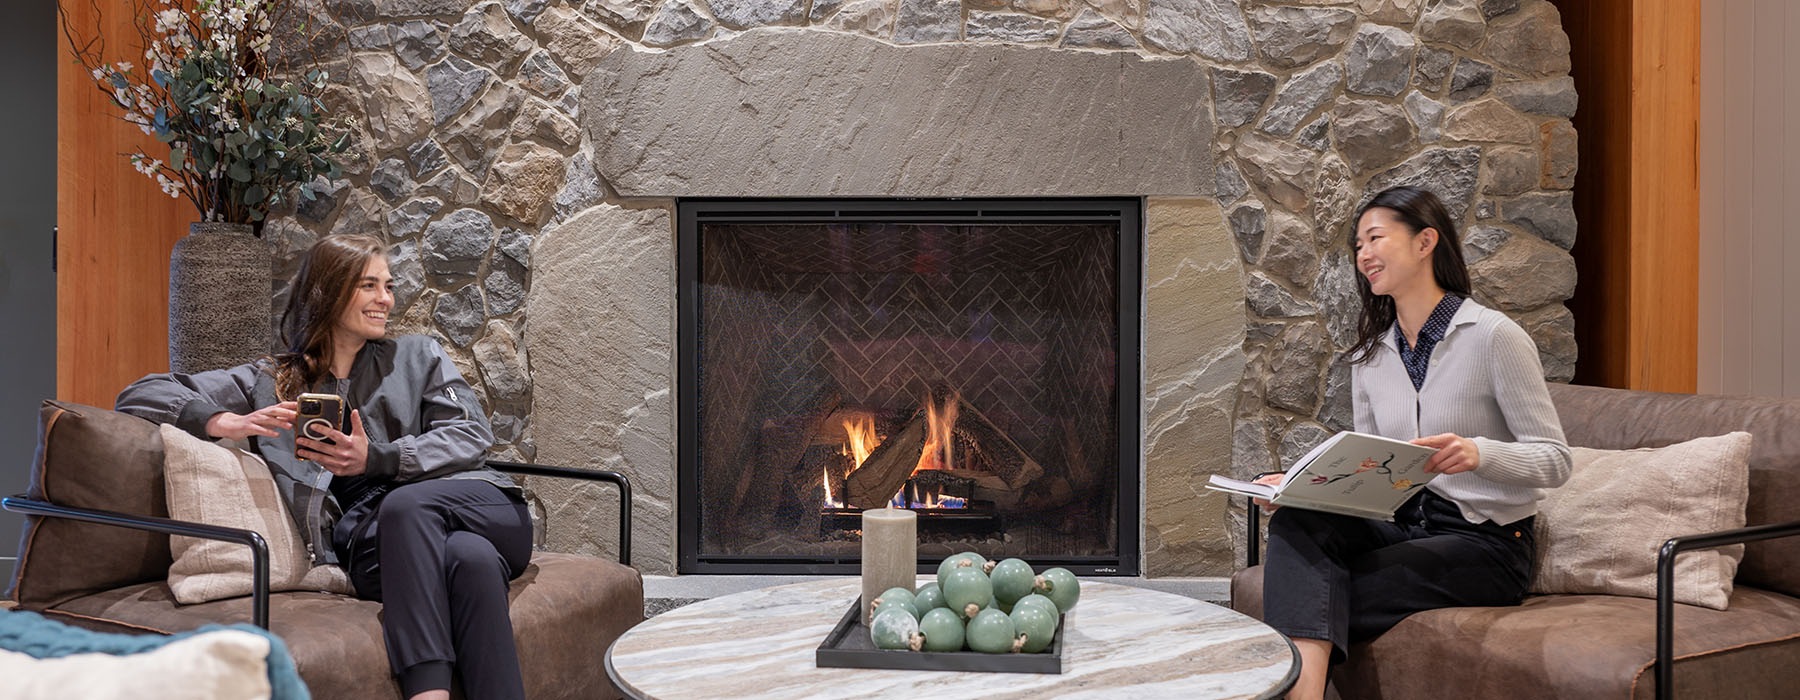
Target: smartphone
317 412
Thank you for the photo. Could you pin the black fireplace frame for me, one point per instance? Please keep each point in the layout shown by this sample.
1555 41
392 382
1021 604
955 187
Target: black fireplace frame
1126 213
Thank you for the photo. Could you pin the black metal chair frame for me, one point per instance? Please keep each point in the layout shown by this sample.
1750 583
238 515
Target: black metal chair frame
1665 579
259 548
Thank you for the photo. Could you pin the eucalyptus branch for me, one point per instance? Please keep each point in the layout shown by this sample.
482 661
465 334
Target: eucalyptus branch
240 139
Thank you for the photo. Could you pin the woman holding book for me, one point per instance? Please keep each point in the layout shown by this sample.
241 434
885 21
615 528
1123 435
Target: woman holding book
401 496
1432 366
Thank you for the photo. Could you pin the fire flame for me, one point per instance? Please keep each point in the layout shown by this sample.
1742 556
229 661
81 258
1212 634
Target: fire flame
939 448
860 439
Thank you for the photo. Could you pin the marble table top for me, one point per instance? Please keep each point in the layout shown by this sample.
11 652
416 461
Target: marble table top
1119 642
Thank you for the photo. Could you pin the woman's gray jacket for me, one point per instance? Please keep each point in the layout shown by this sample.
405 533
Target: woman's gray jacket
423 422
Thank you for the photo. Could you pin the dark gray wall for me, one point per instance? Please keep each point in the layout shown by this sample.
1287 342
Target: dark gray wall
27 219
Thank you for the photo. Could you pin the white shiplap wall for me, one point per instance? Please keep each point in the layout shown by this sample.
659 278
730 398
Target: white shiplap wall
1750 198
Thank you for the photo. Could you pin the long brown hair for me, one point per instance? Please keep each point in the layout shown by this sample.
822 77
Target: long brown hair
321 290
1418 209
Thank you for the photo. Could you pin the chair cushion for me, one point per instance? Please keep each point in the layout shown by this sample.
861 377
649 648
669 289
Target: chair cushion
1599 533
1582 646
91 458
566 610
229 487
1570 646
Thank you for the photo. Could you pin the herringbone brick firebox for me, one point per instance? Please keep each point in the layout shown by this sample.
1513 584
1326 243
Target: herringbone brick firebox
993 327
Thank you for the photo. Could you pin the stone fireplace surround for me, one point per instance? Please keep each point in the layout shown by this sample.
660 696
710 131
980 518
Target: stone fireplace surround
525 155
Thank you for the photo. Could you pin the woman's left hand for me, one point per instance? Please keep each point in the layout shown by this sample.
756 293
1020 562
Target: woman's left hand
345 455
1455 454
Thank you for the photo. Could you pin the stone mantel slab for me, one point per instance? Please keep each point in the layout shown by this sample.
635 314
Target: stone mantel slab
789 113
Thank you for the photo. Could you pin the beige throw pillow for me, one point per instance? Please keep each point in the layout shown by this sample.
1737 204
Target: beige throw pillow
210 483
1600 532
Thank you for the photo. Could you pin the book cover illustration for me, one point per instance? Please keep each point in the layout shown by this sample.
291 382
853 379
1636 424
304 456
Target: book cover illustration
1368 464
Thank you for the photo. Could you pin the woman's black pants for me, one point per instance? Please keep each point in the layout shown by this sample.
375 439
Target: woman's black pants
1345 579
438 555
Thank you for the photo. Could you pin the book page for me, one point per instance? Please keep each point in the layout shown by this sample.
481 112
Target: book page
1359 472
1240 487
1301 463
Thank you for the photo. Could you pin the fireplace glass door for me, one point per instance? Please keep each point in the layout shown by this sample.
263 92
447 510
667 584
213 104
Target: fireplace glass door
974 361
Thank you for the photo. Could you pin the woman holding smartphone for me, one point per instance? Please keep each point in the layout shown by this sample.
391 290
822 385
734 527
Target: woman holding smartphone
399 496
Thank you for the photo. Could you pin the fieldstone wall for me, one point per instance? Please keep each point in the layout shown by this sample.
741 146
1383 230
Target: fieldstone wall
497 152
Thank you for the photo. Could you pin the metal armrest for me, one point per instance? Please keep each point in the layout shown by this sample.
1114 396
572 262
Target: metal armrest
259 549
623 483
1665 588
1253 542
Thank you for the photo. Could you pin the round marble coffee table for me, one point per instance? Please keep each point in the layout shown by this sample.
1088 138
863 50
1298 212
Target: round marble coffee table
1120 642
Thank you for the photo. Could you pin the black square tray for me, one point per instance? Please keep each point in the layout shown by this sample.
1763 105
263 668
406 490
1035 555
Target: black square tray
849 646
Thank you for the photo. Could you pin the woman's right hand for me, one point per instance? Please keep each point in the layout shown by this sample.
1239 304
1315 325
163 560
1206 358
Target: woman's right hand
1272 480
266 422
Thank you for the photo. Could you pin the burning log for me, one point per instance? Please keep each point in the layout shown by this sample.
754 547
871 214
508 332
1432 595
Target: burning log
932 488
994 451
981 446
812 483
887 468
781 449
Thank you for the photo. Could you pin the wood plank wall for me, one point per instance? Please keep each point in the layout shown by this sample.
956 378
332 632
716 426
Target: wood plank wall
1665 195
115 228
1636 306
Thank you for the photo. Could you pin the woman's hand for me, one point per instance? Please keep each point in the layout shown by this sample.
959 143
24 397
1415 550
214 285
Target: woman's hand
1272 480
1455 454
264 422
345 455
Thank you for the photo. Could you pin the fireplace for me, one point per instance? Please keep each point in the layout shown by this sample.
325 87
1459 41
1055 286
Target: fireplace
974 360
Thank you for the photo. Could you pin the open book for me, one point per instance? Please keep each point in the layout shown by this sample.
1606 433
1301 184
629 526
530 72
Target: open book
1352 473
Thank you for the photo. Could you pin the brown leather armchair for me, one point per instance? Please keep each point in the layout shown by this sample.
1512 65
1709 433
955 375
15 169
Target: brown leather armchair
1600 646
95 552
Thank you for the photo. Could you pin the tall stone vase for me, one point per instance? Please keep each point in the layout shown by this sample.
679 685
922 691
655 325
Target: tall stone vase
219 291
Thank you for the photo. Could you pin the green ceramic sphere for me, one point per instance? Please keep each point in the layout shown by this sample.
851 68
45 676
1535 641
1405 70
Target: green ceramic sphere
952 561
1037 599
897 604
897 593
1062 588
966 586
1036 625
929 596
1012 579
897 597
943 630
893 628
991 632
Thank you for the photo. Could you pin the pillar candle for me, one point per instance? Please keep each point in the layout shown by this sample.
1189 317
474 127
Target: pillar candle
890 552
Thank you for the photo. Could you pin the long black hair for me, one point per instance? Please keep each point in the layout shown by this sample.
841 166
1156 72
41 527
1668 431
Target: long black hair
1418 209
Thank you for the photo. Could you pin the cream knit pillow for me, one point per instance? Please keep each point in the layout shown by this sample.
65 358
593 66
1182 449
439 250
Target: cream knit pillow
1600 532
212 484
